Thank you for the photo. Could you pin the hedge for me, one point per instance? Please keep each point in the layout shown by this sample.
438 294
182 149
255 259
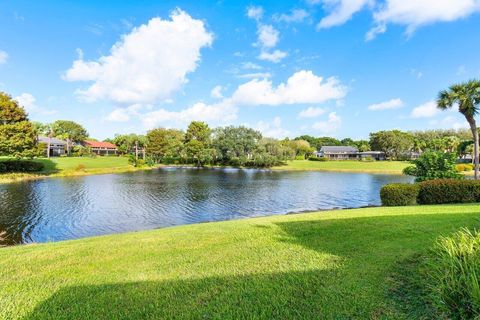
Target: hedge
20 166
449 191
431 192
399 194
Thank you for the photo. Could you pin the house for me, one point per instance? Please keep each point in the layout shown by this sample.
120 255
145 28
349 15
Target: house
101 148
348 153
57 147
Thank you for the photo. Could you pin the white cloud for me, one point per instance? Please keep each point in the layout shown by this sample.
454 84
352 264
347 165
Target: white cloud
340 11
28 101
222 112
124 114
3 57
272 129
311 112
295 15
302 87
216 92
416 13
275 56
329 126
255 75
255 13
426 110
386 105
251 66
267 36
417 73
146 65
450 122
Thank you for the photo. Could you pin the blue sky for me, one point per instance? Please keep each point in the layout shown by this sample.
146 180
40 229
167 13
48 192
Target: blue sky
342 68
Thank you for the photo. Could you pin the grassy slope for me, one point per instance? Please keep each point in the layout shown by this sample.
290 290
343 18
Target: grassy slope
325 265
393 167
60 167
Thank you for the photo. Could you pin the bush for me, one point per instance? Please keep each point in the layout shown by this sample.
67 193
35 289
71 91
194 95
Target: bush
434 165
453 272
461 167
399 194
20 166
318 159
449 191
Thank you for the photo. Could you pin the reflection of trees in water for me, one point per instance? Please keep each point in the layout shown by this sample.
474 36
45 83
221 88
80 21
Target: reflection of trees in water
17 208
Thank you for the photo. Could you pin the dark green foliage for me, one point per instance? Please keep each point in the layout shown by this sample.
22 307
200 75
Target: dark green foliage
449 191
69 131
165 145
20 166
434 165
395 143
232 143
318 159
399 194
453 274
126 142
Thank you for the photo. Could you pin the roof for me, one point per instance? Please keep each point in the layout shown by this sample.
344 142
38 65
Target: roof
338 149
52 140
99 144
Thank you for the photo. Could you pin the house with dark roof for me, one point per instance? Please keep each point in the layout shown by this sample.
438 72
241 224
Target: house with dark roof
53 147
348 153
101 148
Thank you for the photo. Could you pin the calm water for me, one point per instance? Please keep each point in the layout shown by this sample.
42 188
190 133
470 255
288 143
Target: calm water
68 208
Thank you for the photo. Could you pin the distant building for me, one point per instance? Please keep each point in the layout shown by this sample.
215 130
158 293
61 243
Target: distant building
101 148
57 147
348 153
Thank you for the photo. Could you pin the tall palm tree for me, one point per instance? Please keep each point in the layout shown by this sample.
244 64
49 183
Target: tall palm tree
467 96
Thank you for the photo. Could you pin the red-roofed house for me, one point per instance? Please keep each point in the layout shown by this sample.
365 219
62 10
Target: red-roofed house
101 148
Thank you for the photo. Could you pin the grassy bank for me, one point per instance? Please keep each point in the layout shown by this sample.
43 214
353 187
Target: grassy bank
73 166
336 264
390 167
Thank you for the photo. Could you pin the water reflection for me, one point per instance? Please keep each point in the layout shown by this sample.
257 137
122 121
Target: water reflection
68 208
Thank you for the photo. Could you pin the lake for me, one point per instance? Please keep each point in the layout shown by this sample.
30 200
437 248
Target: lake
69 208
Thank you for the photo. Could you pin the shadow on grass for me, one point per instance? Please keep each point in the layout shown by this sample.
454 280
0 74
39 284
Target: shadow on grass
49 167
371 283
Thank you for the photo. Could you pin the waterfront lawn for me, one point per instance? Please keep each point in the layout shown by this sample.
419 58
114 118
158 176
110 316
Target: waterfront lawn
346 264
390 167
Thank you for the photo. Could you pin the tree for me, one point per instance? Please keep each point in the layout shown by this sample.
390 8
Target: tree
127 143
197 143
69 131
235 143
467 96
164 143
17 137
395 143
301 148
434 165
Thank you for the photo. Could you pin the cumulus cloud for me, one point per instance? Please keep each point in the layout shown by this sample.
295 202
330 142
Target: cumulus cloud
251 66
255 75
267 36
340 11
28 101
426 110
386 105
3 57
272 129
311 112
124 114
331 125
302 87
275 56
146 65
222 112
216 92
255 13
295 15
416 13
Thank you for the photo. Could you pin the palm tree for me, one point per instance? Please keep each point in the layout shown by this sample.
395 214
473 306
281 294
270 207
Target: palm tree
467 96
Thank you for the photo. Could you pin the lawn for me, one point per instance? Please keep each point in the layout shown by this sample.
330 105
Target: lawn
392 167
325 265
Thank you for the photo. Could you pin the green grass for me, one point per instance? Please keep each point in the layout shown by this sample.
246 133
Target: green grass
391 167
74 166
325 265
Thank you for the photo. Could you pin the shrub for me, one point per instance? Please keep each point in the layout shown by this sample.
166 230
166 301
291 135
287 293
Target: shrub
20 166
449 191
399 194
434 165
300 157
461 167
453 271
318 159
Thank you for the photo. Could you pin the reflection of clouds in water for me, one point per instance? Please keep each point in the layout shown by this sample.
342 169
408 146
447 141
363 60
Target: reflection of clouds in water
57 209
